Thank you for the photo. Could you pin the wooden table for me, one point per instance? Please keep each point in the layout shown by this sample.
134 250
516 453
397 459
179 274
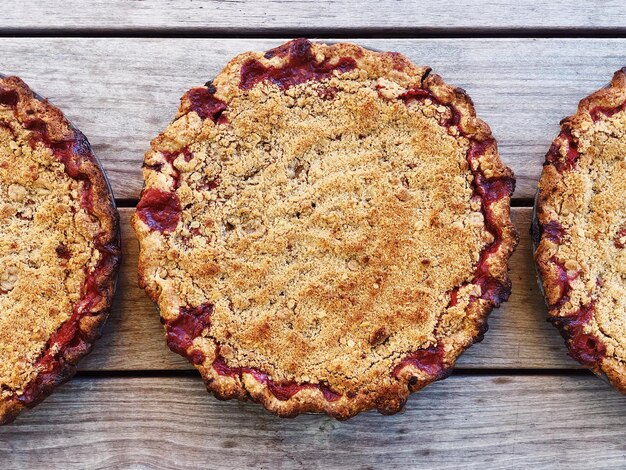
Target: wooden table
118 68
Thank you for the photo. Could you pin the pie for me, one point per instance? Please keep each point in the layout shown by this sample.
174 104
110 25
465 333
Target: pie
59 248
324 229
580 231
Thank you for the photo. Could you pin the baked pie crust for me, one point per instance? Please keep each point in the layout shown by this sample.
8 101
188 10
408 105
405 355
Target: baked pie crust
59 248
324 228
580 231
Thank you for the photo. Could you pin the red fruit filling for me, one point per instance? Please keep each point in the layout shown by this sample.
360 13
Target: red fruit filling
606 111
281 390
206 105
554 157
210 185
429 360
563 281
169 158
554 231
187 326
327 93
454 297
490 191
159 210
584 347
63 252
300 67
620 238
420 94
8 97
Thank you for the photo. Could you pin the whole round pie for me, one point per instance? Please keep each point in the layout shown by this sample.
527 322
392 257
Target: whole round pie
59 248
580 231
324 228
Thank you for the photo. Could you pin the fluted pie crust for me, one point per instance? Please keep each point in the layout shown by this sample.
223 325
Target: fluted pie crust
580 231
59 248
324 228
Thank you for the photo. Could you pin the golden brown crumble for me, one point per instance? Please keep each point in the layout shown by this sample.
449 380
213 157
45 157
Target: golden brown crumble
327 224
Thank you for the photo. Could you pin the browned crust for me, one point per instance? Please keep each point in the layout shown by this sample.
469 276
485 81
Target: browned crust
62 365
410 378
611 96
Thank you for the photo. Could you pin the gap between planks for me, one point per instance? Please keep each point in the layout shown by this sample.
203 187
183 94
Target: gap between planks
519 336
319 33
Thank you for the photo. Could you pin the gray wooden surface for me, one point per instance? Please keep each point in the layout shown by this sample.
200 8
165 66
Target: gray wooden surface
117 68
469 422
228 17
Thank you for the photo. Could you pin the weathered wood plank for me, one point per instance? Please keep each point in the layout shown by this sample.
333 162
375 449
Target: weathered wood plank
519 336
122 92
472 422
259 16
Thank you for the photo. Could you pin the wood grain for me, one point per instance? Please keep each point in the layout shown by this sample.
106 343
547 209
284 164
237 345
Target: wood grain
519 336
470 422
270 16
121 92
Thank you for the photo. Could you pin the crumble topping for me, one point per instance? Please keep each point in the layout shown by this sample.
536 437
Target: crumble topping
331 226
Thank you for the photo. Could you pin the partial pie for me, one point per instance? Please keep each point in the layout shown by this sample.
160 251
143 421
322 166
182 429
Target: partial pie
580 229
59 248
324 228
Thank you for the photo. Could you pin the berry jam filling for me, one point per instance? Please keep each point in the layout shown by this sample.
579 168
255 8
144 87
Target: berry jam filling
67 153
620 238
553 231
301 67
563 280
187 326
490 191
454 297
568 161
327 93
584 347
281 390
209 185
169 158
63 251
206 105
421 94
429 360
159 210
8 97
598 112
